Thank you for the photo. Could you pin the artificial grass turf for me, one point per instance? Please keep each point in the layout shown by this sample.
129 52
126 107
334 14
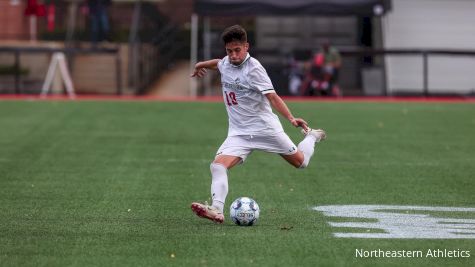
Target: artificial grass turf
110 183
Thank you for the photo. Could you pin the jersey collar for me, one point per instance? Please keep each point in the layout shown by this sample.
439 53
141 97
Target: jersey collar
244 61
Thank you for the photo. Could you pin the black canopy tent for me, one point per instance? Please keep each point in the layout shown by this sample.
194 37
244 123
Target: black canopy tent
223 8
290 7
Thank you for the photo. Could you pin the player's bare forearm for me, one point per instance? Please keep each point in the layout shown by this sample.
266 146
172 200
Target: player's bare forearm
278 104
208 64
202 66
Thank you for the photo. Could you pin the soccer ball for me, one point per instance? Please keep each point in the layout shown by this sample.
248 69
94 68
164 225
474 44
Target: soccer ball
244 211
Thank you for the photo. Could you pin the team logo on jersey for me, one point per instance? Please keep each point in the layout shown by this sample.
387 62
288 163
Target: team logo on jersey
232 86
237 81
415 222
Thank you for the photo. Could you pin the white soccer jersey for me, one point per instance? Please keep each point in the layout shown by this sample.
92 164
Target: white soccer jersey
244 88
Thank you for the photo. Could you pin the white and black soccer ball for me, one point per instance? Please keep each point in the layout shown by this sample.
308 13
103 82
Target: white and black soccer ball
244 211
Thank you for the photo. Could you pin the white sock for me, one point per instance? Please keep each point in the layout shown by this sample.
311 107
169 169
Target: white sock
219 185
307 146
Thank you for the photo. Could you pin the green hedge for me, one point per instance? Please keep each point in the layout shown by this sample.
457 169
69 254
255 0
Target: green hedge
10 70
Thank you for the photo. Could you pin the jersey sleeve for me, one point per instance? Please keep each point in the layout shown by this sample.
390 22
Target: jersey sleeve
220 64
259 79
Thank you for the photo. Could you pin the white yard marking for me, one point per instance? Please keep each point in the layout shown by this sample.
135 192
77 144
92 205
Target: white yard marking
402 221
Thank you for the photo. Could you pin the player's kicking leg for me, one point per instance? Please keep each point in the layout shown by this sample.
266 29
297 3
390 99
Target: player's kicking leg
306 148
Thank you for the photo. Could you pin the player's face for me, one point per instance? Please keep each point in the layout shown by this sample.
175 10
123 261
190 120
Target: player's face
237 52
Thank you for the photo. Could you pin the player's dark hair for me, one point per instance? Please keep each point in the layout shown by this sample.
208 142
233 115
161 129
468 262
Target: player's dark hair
235 33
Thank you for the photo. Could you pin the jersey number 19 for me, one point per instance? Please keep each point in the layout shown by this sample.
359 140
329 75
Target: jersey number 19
231 98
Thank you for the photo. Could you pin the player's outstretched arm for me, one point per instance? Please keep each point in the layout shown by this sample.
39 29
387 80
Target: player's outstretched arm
202 66
278 104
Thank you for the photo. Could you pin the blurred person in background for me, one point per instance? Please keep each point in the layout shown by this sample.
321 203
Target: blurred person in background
322 77
97 10
295 74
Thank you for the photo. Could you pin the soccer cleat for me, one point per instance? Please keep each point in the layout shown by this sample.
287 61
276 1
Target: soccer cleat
319 134
207 212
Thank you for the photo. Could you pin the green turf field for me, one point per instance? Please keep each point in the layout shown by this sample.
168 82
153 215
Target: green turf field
110 183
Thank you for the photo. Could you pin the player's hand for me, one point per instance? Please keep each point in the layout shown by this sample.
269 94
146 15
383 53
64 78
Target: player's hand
199 72
298 122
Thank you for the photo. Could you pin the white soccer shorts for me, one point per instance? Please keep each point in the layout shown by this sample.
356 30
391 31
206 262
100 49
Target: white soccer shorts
243 145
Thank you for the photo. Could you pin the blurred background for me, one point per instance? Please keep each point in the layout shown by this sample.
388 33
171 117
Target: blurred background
148 47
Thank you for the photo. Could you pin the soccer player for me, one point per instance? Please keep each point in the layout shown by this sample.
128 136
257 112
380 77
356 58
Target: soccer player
248 95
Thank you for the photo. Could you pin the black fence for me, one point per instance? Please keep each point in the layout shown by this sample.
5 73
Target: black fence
16 70
280 81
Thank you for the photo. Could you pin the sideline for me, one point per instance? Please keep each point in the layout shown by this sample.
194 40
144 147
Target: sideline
377 99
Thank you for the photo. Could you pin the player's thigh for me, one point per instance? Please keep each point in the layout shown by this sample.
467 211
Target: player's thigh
279 144
233 151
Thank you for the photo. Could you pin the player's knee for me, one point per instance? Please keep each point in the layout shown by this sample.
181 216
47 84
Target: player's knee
217 167
297 160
